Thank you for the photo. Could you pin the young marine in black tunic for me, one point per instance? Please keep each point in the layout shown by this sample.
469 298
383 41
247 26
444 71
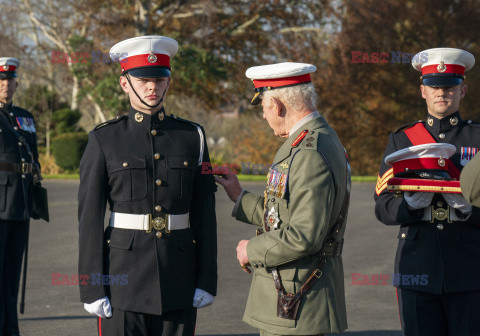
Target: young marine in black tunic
156 261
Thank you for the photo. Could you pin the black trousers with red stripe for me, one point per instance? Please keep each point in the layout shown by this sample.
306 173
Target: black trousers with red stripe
453 314
125 323
13 239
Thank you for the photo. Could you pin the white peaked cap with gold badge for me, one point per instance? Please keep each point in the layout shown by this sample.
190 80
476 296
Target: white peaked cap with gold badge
443 67
145 56
8 67
430 150
279 75
426 160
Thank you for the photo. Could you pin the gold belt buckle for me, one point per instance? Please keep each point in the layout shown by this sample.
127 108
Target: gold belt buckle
24 168
440 214
157 223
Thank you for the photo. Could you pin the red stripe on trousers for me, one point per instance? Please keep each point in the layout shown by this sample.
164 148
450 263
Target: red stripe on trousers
195 327
398 303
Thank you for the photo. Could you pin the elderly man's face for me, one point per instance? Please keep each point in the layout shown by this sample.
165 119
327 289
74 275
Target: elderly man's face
8 86
273 114
443 101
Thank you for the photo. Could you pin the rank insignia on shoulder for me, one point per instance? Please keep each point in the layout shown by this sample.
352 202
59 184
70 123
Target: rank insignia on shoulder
299 138
26 124
466 154
277 183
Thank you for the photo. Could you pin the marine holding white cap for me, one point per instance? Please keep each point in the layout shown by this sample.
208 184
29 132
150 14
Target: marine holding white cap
439 236
302 213
155 263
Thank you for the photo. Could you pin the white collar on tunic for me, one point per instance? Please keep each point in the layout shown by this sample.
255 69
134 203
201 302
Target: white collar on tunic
303 121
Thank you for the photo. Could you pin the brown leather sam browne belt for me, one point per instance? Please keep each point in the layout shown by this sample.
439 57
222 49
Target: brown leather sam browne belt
22 168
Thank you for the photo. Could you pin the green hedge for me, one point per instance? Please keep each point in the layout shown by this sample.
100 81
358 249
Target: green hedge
68 149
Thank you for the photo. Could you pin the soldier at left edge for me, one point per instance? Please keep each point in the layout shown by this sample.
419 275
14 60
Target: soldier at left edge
19 169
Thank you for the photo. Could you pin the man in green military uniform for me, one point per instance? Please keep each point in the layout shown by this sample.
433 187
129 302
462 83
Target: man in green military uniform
302 212
470 181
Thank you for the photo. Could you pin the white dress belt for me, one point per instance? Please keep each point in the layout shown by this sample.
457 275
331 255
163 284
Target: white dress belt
146 222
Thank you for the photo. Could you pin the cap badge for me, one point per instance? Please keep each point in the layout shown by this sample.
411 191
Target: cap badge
138 117
441 162
441 67
5 67
454 121
152 58
255 97
430 121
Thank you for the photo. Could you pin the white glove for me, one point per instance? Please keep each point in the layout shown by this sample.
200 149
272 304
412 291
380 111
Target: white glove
202 299
458 202
418 200
101 308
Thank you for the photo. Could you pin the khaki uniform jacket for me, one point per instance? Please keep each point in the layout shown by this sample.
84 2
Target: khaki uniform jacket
306 214
470 181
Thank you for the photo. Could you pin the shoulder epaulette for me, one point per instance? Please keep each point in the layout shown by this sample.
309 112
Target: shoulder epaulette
184 120
310 141
109 122
20 108
404 127
299 138
473 123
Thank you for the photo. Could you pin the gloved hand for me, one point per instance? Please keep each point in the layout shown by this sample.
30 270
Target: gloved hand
101 307
418 200
202 299
458 202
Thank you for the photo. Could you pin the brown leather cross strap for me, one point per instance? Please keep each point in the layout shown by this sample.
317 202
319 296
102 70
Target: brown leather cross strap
22 168
306 286
288 303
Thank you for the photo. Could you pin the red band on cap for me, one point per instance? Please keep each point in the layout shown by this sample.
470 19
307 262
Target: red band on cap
278 82
143 61
449 68
9 68
417 164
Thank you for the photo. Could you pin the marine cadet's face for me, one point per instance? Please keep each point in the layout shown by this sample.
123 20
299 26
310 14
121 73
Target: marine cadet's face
8 86
443 101
149 89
